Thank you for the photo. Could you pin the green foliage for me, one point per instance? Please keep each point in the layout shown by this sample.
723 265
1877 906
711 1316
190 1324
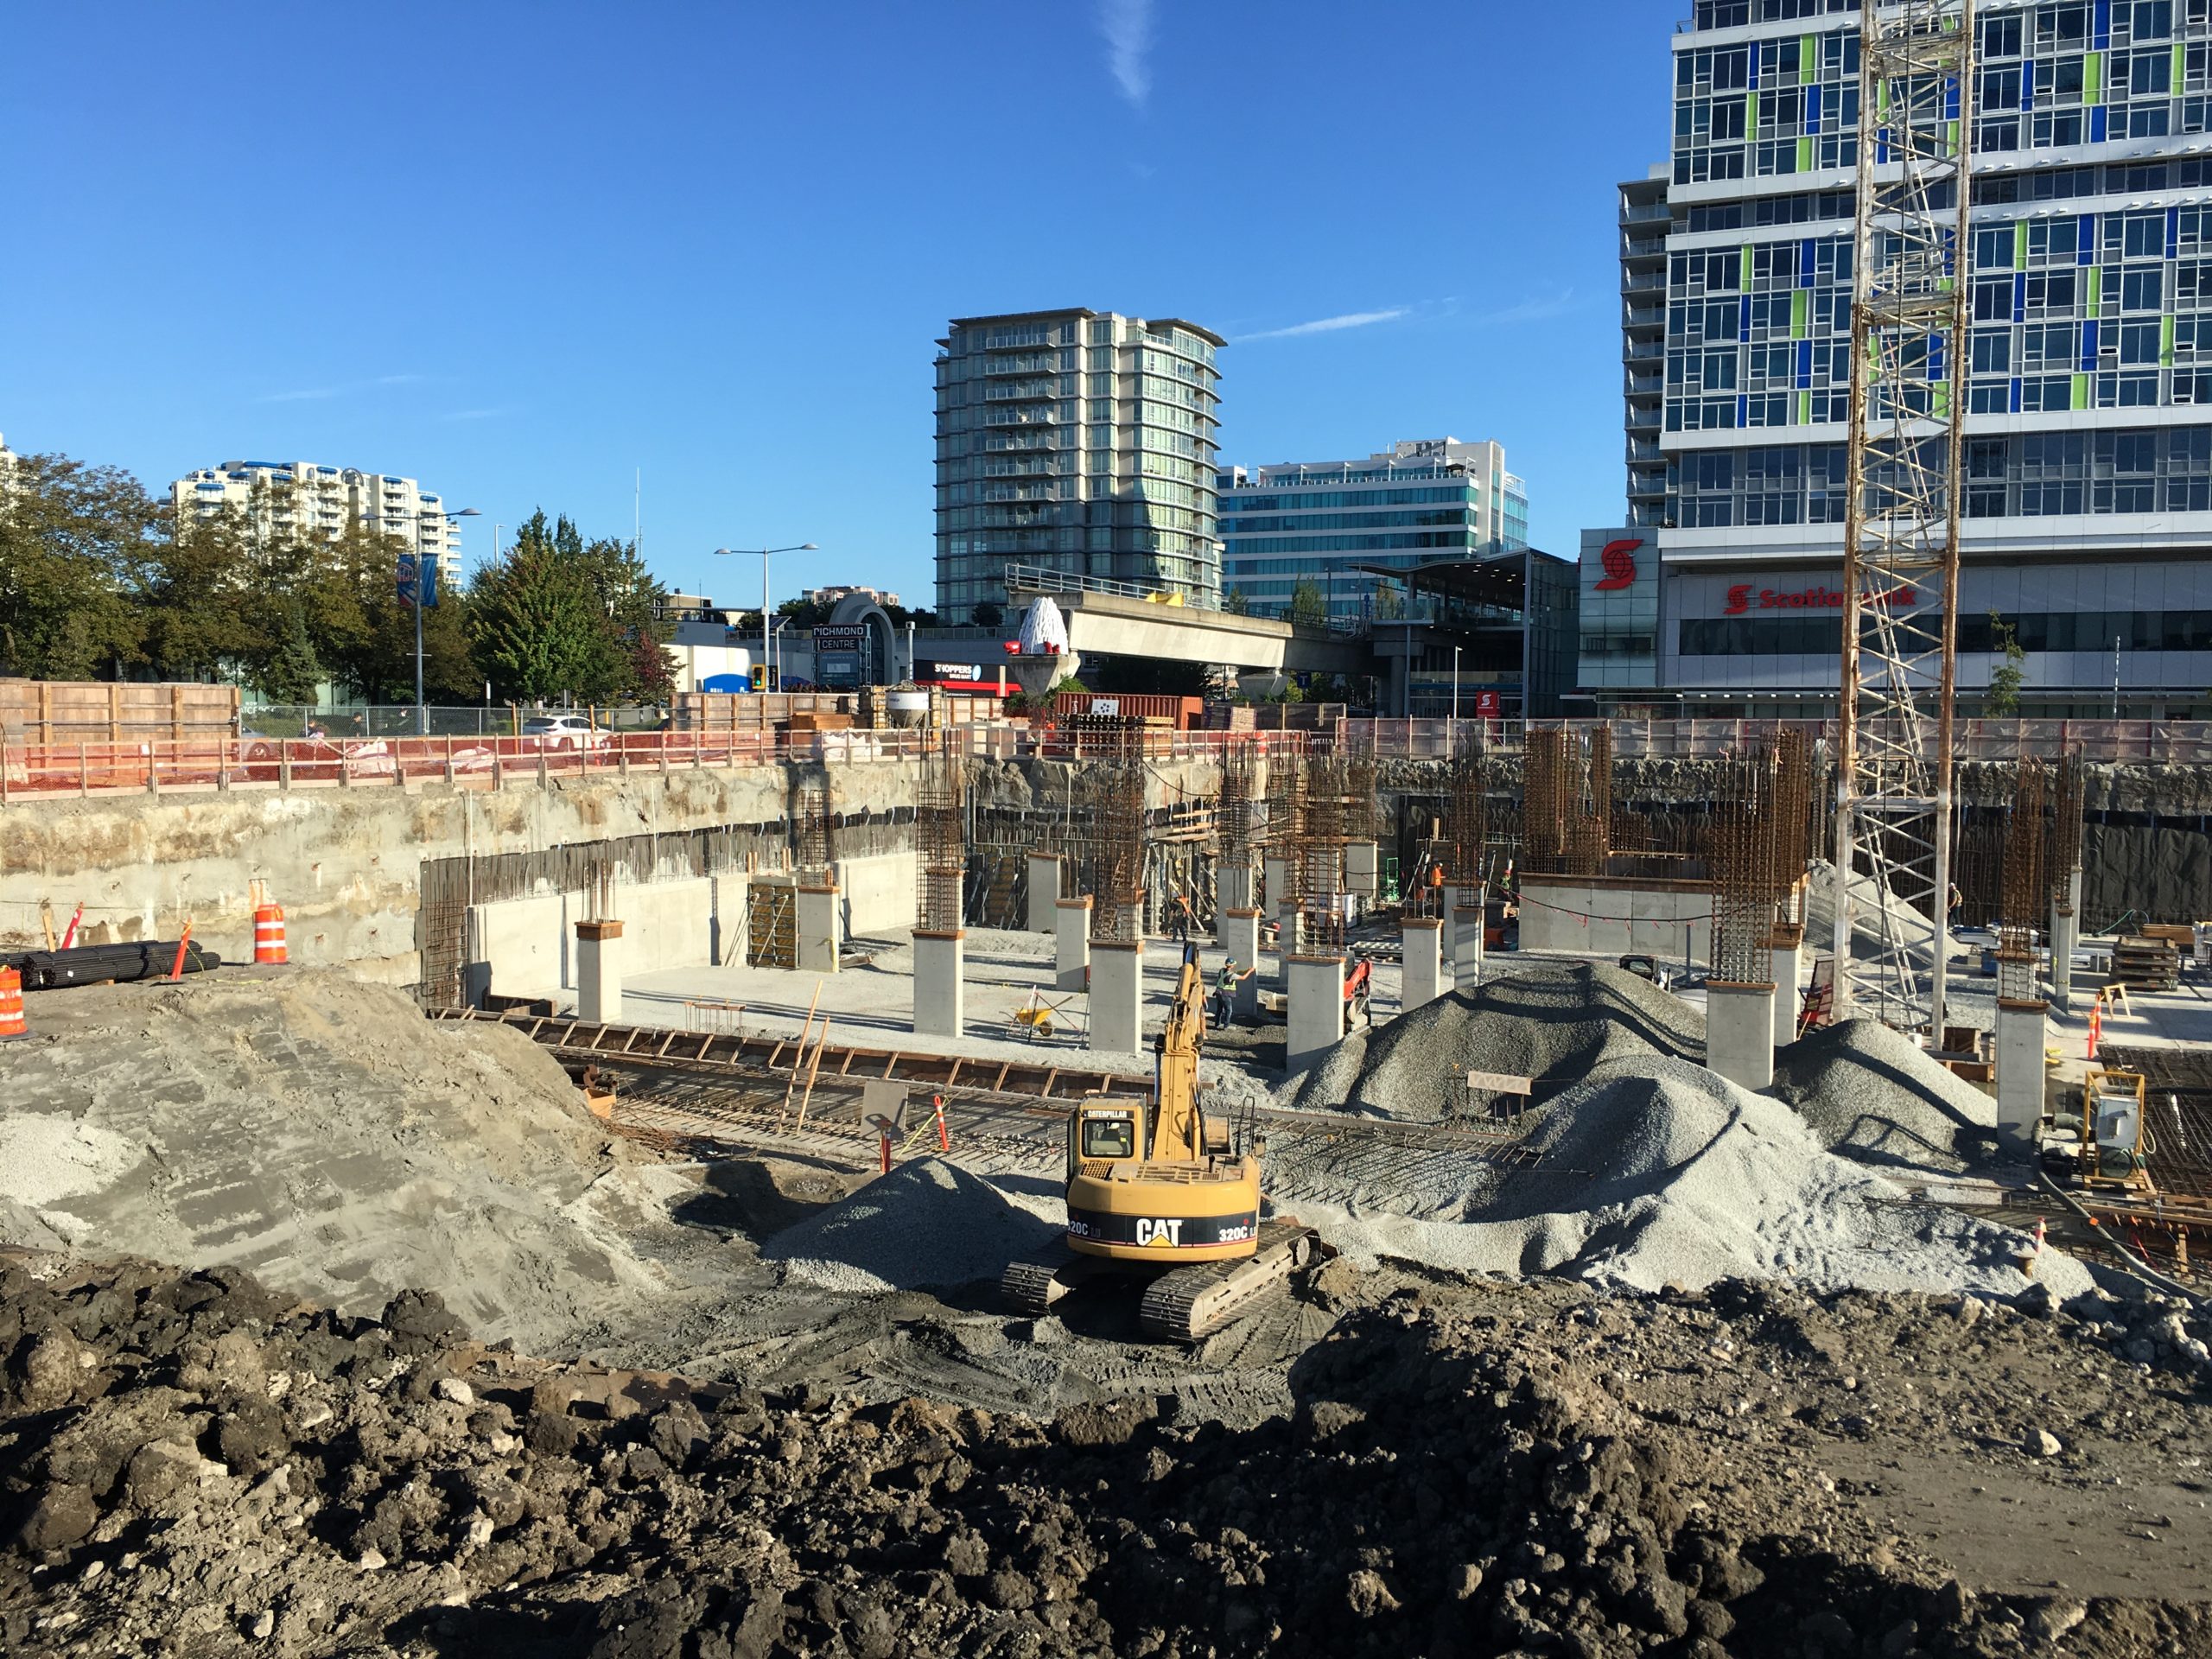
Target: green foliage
1236 603
987 615
2006 680
537 628
74 542
1309 605
1390 601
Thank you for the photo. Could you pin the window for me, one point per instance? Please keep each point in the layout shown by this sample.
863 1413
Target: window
1109 1137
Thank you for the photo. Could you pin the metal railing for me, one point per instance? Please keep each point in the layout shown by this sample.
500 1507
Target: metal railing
2118 742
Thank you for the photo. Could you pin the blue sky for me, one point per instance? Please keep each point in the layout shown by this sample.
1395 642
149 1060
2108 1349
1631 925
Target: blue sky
519 251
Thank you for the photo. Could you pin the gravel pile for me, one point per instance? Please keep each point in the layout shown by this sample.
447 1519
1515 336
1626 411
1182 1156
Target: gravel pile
1655 1175
1556 1022
196 1466
926 1223
1872 1094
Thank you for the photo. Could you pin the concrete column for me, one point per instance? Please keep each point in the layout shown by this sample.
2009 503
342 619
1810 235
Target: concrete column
818 921
1422 977
2019 1075
1363 871
1232 891
1287 933
1739 1032
1467 943
1072 943
599 972
1317 1010
1277 871
940 984
1241 939
1455 896
1785 956
1044 891
2065 928
1117 996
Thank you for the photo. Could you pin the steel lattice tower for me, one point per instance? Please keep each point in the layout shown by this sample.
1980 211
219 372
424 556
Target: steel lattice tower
1900 526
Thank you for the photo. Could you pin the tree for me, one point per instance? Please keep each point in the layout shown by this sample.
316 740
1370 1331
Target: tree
1309 605
2005 679
74 540
635 605
987 615
1389 602
537 625
1236 603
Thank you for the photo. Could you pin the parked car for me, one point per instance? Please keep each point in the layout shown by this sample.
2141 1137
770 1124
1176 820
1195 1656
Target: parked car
563 732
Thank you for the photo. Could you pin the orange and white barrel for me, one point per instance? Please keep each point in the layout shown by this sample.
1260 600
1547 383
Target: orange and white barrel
269 934
12 1025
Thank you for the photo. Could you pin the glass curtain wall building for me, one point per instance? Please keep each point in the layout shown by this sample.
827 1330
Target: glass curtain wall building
1337 523
1082 441
2089 421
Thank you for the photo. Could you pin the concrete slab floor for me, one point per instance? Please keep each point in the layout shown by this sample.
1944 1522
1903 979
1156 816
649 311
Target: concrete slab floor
872 1006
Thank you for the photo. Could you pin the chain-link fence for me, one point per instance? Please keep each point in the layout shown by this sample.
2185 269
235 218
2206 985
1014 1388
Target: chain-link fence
404 720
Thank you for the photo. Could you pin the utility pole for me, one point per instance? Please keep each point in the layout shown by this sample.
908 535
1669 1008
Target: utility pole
1912 242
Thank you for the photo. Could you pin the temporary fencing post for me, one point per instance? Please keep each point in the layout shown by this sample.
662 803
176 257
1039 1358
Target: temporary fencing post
83 779
13 1029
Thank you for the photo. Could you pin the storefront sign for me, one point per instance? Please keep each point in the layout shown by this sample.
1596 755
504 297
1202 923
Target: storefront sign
926 670
1617 560
1488 705
1745 596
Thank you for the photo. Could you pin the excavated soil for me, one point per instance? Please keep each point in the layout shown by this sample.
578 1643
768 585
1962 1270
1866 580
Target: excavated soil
193 1465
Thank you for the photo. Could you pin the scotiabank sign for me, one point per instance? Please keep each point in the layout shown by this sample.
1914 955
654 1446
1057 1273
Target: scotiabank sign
1745 597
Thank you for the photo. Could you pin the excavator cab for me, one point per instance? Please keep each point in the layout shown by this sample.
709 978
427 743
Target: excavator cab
1102 1131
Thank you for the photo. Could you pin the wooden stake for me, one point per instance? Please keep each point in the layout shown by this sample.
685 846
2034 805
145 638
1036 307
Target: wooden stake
813 1067
46 921
804 1032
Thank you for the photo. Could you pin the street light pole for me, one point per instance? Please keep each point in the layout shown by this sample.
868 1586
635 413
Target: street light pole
766 641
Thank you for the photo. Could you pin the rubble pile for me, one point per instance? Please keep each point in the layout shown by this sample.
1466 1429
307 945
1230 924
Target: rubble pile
192 1463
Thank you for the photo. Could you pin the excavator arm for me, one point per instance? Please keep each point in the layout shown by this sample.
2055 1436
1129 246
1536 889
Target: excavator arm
1178 1126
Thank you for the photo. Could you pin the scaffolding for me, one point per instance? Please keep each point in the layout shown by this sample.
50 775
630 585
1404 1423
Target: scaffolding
1331 817
1116 783
941 840
1567 819
1901 523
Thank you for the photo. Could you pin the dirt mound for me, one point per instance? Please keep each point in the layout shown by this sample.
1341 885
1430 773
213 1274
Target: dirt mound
1556 1022
194 1468
926 1223
320 1132
1873 1095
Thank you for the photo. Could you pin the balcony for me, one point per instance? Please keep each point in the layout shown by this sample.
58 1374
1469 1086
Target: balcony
1650 212
1639 450
1647 385
1025 416
1645 316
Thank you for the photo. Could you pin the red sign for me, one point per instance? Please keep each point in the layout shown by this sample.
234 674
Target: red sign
1619 561
1744 597
1488 705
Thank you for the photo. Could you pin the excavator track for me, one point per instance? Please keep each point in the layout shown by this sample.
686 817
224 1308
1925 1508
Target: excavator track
1189 1304
1031 1288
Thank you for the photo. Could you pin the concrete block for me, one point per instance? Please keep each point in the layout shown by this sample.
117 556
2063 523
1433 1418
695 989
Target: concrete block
1241 940
940 983
1317 1010
2019 1076
1739 1032
1421 939
1044 891
1785 956
819 918
1072 943
1466 947
1232 890
1363 870
598 971
1117 996
1289 935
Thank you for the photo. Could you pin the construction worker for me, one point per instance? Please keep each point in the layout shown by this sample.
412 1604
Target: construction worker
1224 992
1179 920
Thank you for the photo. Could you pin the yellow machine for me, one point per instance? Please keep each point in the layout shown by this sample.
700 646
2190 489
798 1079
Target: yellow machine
2116 1142
1156 1188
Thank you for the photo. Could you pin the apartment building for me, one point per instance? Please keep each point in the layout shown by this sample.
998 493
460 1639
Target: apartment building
302 497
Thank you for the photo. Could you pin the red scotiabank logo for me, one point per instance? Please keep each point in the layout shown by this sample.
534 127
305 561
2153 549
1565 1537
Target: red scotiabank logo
1619 561
1744 597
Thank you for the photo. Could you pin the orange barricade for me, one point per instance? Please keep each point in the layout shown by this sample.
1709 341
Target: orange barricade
13 1028
269 934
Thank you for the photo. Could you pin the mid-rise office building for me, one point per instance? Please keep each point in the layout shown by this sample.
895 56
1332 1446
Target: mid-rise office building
1340 524
299 497
2088 498
1079 441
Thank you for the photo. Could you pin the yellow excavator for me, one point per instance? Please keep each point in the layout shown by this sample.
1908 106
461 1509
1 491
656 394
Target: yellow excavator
1156 1188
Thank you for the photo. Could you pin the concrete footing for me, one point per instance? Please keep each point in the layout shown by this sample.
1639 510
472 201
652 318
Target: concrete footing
1421 940
1072 943
820 922
1232 891
1241 939
1739 1032
2019 1075
1116 996
1467 943
1289 935
1276 874
940 983
1316 1009
598 971
1044 891
1785 956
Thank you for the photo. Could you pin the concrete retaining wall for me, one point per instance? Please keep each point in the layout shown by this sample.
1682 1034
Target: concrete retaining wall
526 947
876 894
1592 916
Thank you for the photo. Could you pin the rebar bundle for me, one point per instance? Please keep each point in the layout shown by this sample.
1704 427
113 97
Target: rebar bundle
812 819
1117 786
1466 820
1745 880
1549 800
2027 891
940 833
1239 769
1793 823
2065 855
1329 811
1590 838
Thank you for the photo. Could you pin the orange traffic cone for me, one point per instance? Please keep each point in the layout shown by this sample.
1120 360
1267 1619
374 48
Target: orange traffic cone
12 1025
269 934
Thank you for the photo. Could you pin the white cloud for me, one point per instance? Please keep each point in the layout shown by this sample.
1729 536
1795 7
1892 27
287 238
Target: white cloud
1329 325
1534 310
1127 25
